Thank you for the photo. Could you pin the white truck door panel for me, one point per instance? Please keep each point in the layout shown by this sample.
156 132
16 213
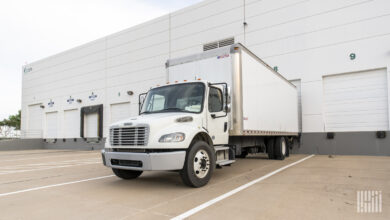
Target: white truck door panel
217 120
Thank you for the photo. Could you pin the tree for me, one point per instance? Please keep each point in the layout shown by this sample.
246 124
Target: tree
8 126
12 121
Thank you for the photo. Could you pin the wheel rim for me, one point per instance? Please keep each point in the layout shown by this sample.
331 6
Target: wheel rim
201 163
283 147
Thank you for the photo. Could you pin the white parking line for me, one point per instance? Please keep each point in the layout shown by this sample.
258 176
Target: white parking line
49 168
54 156
21 168
236 190
54 185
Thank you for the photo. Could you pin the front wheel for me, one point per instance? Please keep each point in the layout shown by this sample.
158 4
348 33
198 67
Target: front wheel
199 165
126 174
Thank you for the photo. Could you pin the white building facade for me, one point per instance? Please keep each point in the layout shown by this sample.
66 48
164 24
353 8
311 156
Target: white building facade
336 52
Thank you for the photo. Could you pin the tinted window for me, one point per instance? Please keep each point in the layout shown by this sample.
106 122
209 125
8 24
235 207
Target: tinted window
215 100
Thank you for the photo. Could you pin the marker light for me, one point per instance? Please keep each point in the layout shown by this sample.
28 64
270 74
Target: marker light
185 119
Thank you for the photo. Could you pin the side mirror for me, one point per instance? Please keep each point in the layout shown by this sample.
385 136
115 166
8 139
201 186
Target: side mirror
141 99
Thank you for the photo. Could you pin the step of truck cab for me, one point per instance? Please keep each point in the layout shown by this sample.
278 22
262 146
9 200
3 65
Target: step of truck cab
225 162
222 153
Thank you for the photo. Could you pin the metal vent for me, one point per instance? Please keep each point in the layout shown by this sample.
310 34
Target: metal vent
226 42
129 136
217 44
210 46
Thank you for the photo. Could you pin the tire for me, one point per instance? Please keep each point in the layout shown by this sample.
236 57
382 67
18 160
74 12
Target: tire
127 174
270 148
289 146
280 148
199 165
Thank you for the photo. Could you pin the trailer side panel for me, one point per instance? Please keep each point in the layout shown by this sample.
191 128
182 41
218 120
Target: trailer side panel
270 103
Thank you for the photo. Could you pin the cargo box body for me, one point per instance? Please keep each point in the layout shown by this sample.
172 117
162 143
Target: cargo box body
262 102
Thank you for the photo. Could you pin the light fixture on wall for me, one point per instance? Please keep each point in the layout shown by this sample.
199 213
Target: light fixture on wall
130 93
42 106
381 134
79 100
330 135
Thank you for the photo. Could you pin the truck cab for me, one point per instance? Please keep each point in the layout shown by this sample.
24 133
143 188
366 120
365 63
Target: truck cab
181 127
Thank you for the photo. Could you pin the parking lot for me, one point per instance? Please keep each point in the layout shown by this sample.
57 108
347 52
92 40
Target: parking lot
63 184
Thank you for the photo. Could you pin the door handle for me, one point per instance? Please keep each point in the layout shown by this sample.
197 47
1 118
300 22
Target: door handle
225 127
213 115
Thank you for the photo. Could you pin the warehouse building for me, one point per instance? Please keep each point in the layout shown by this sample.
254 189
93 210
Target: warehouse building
336 52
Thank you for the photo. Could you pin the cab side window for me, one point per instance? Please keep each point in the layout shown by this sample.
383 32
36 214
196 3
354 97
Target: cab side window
215 100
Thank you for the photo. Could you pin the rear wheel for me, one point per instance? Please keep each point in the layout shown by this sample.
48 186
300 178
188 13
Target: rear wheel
199 165
280 148
127 174
270 148
289 146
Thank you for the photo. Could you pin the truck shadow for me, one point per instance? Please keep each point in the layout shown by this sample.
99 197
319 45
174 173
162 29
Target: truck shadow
255 157
152 180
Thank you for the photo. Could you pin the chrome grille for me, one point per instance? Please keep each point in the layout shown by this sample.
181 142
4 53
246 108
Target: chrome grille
129 136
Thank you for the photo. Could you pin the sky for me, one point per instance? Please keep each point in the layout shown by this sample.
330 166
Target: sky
33 30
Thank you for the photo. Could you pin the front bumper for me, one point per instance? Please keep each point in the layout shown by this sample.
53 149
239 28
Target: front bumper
144 161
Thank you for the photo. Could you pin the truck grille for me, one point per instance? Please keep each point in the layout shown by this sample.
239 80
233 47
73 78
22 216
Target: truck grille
129 136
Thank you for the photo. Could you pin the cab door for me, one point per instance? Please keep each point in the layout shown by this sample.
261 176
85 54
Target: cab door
217 119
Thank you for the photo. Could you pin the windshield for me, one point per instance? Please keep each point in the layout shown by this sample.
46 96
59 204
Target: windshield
176 98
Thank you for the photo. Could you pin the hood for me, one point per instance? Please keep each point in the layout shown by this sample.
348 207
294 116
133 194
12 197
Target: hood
148 118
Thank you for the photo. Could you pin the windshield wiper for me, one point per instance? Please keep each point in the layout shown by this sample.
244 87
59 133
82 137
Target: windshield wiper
173 109
167 110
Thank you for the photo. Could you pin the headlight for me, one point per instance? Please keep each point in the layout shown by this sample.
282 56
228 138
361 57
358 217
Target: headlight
174 137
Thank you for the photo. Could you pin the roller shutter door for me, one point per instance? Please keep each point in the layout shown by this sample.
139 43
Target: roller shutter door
356 101
51 125
71 123
120 111
91 125
35 116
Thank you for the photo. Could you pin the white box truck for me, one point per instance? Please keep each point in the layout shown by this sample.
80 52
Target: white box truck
216 106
